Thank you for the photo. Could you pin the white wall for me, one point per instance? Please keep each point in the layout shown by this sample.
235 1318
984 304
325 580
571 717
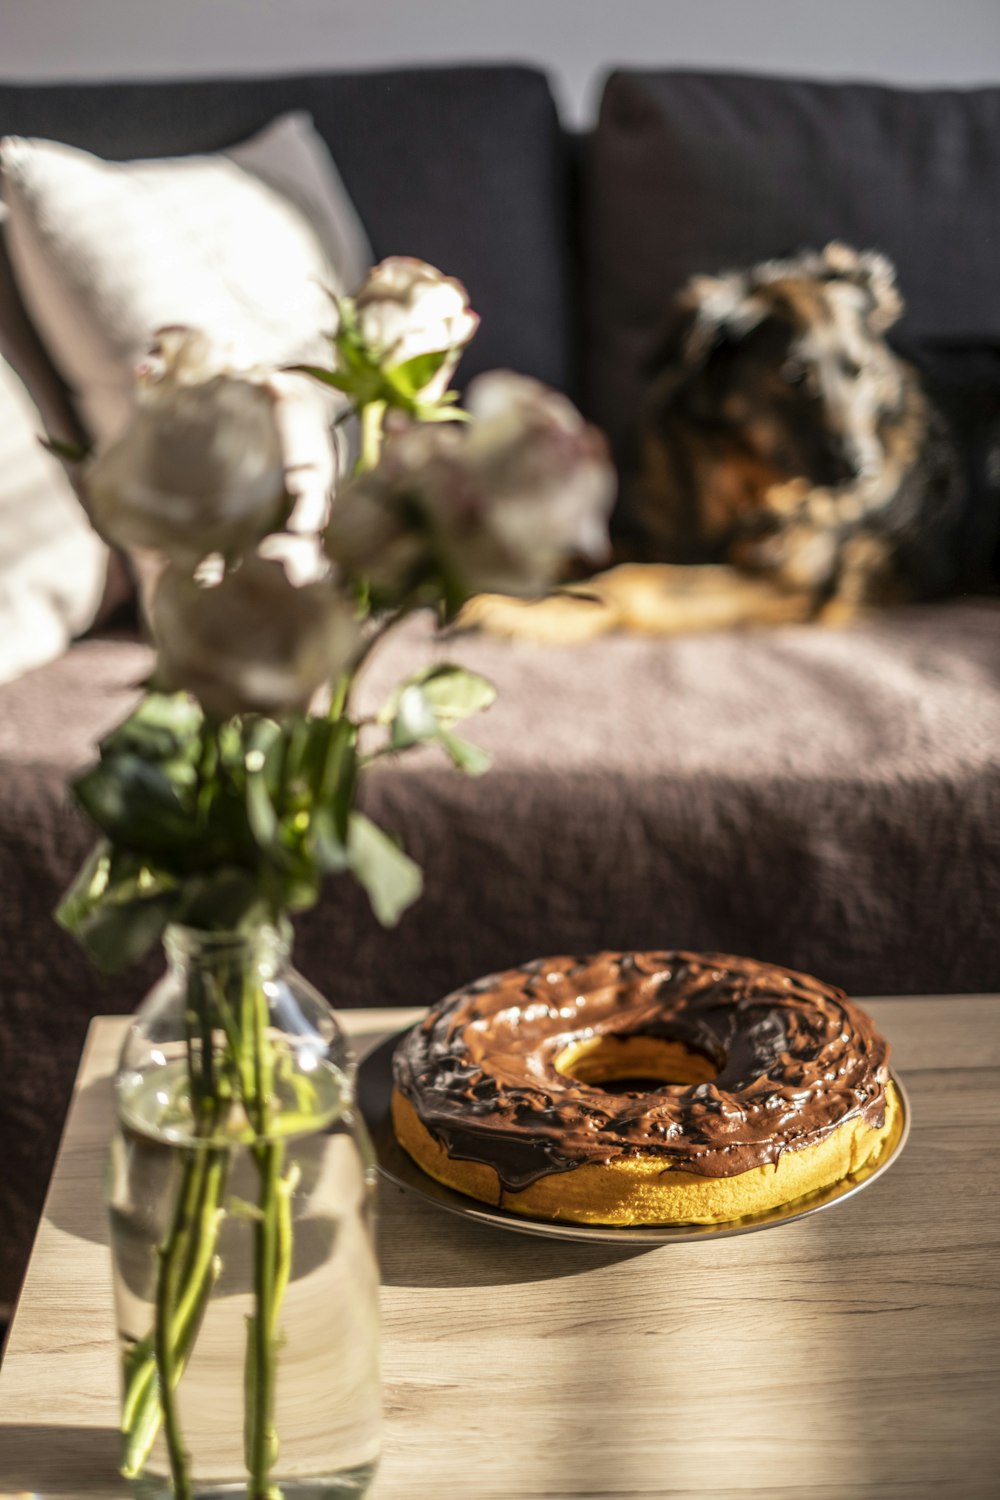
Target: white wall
905 41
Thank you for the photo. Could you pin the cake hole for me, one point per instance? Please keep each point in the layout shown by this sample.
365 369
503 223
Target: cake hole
634 1064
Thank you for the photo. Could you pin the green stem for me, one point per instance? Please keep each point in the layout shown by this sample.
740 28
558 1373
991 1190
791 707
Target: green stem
191 1246
375 637
171 1255
188 1261
338 699
372 414
199 1267
260 1437
206 1094
142 1414
187 1266
283 1263
140 1363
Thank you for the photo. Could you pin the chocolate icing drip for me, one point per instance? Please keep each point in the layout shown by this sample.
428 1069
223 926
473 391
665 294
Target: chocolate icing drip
795 1060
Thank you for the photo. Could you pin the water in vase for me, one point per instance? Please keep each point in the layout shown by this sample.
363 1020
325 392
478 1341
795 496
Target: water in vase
326 1409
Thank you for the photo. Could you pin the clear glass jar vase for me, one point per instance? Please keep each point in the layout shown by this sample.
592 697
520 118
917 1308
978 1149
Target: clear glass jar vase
241 1193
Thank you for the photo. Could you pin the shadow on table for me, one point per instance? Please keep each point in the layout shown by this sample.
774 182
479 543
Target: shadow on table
85 1217
60 1463
419 1244
422 1246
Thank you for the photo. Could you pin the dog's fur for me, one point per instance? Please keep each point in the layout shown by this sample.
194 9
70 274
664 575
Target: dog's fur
786 450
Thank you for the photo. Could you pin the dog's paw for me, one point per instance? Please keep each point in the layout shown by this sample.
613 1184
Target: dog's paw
559 620
786 499
841 613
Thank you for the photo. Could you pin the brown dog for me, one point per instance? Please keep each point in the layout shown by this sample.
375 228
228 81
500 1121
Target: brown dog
786 450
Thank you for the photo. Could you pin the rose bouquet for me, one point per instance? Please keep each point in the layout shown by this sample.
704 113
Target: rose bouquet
231 793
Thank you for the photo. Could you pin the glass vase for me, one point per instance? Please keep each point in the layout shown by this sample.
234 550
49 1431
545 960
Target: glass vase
241 1193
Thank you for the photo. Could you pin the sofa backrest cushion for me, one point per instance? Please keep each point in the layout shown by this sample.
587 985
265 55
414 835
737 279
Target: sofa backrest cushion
53 567
695 173
464 167
245 244
22 348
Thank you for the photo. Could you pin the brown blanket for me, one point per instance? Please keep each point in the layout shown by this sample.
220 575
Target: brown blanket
828 800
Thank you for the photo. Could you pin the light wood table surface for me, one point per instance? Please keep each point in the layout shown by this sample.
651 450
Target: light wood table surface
853 1354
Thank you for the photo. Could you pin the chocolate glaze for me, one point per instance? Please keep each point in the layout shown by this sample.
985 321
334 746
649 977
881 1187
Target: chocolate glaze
795 1059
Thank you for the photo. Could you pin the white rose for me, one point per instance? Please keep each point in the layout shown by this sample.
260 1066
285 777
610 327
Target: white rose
200 466
374 532
499 505
549 481
253 643
406 308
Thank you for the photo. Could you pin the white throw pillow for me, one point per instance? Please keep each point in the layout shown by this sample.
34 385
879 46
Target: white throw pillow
52 565
244 244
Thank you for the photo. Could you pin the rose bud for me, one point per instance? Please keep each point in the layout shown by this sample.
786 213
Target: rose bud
406 308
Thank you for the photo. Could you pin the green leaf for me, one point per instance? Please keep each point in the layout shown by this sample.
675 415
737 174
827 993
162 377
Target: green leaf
362 375
259 741
164 726
69 453
413 375
261 815
261 762
296 892
143 793
135 802
338 783
324 376
222 900
117 907
350 346
455 693
316 747
466 756
88 887
427 411
451 693
118 935
231 741
343 304
391 879
329 849
300 783
425 707
414 720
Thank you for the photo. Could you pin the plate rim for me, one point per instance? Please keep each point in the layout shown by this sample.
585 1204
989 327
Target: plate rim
411 1178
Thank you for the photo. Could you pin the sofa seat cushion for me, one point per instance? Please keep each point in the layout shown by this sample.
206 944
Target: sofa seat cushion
827 800
823 799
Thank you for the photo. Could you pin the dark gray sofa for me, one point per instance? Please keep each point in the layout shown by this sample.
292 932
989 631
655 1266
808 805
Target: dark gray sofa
829 800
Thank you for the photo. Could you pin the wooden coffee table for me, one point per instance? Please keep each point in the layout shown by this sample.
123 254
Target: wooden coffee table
853 1354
